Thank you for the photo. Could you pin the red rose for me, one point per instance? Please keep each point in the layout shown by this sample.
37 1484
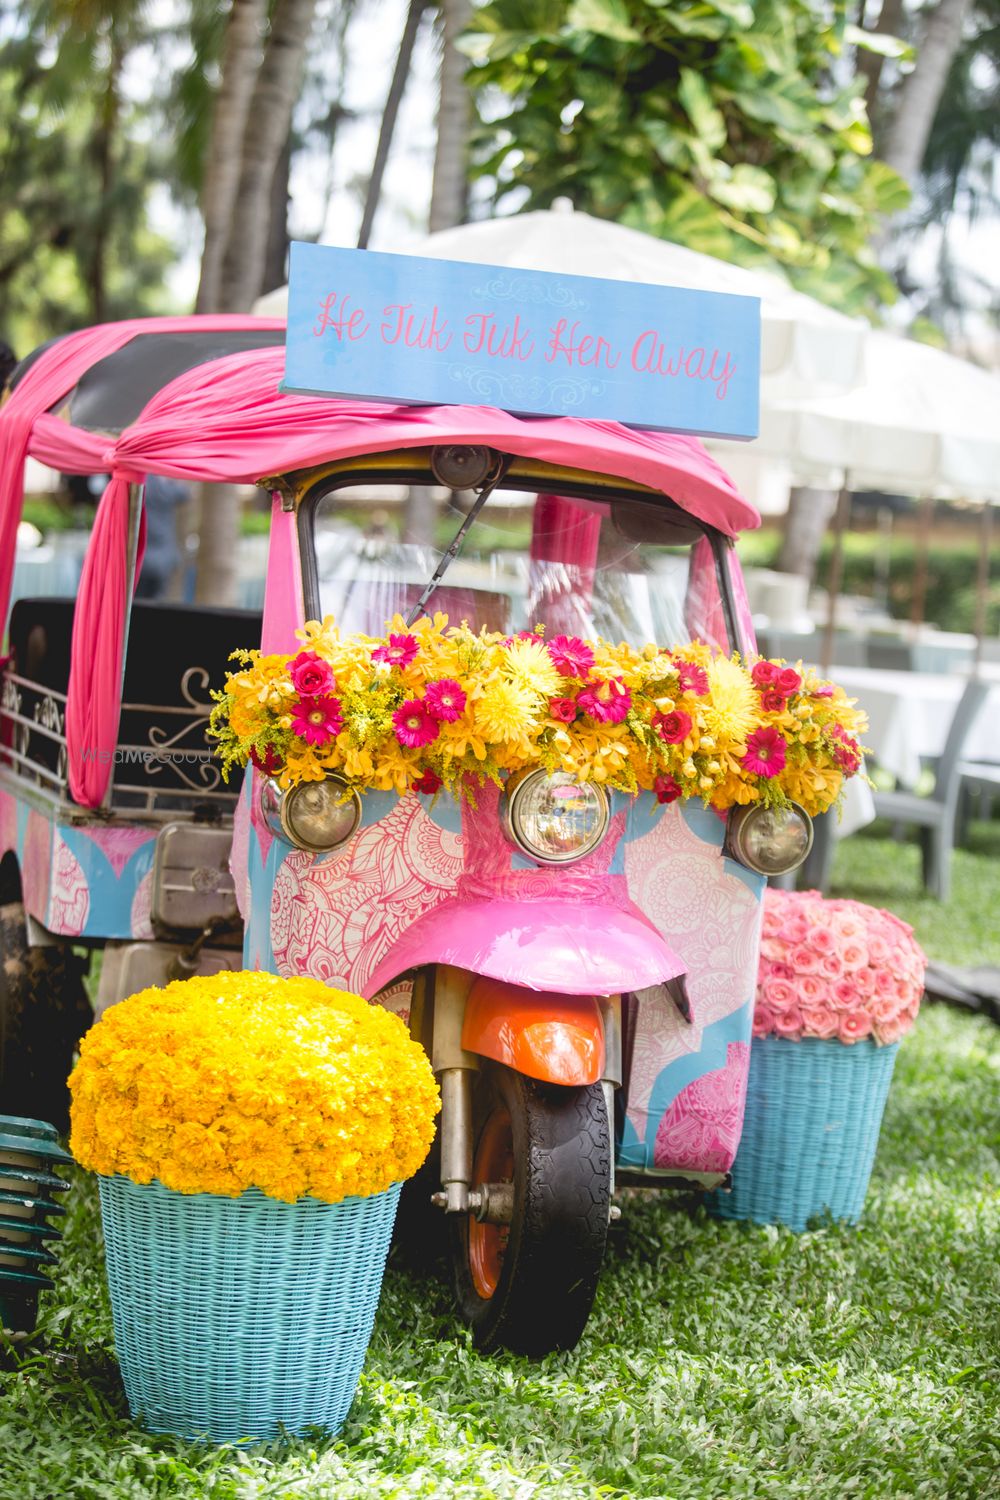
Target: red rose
563 709
771 701
789 681
673 727
666 789
764 673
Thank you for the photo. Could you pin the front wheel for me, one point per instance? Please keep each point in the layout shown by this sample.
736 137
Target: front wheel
44 1011
529 1285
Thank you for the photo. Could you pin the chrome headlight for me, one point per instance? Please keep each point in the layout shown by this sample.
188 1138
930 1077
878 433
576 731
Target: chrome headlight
554 819
770 840
315 816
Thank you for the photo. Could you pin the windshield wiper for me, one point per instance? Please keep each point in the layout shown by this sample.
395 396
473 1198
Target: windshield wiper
503 464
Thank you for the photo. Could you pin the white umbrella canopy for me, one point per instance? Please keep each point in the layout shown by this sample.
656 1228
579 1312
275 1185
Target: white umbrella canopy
921 423
804 345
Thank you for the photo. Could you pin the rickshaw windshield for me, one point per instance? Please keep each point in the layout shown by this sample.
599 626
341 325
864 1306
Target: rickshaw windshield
618 567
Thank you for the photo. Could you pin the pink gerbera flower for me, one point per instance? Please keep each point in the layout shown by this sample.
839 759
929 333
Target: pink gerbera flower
571 657
673 727
311 675
765 752
317 720
608 702
445 700
400 651
414 725
563 709
692 678
428 783
666 789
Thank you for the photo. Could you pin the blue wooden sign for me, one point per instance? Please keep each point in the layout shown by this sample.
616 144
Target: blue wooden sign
402 328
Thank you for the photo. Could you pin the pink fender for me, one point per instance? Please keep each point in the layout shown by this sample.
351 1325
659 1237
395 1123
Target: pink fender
558 1038
560 947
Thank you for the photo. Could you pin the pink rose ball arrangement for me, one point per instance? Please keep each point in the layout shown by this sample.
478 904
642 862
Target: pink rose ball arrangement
836 970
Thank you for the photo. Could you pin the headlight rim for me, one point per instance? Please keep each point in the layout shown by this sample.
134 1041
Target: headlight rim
514 788
276 801
737 823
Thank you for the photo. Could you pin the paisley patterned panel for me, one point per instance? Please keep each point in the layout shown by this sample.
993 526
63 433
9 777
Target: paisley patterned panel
336 918
69 893
712 918
701 1129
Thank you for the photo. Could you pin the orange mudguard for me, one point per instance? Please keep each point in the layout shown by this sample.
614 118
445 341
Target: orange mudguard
557 1038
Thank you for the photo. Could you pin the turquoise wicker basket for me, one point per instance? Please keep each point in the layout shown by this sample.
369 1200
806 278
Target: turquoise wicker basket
241 1317
814 1109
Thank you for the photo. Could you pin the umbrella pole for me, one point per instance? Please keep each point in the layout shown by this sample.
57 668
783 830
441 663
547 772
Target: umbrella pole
918 602
983 579
840 522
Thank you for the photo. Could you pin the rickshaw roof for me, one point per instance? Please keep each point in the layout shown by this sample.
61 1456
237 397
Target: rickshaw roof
113 391
224 419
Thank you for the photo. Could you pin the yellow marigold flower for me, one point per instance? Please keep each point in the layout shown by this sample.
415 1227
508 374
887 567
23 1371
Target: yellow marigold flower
222 1083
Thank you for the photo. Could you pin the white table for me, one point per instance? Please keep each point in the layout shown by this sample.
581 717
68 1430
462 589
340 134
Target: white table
910 714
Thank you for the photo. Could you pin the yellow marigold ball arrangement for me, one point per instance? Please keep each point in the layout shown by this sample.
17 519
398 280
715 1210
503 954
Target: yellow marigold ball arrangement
222 1083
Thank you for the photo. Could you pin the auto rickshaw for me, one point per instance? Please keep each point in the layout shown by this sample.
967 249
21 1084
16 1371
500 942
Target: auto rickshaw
579 962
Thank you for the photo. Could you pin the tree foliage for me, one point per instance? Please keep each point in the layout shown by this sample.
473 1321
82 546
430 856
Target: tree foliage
75 243
737 129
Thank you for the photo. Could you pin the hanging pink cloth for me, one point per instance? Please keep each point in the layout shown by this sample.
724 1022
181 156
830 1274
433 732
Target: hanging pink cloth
565 536
93 704
97 655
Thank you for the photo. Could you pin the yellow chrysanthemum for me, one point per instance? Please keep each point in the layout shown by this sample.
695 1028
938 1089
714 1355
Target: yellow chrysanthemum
731 710
222 1083
529 664
505 711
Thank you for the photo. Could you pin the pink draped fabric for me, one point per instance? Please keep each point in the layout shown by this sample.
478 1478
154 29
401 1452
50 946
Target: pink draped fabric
27 426
52 376
227 421
93 698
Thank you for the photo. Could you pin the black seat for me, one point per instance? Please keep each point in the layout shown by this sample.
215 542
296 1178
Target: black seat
176 654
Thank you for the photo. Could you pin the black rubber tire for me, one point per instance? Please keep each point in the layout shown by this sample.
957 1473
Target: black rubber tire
555 1249
420 1233
44 1011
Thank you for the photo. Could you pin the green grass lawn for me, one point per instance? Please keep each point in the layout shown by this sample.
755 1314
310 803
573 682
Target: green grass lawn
721 1360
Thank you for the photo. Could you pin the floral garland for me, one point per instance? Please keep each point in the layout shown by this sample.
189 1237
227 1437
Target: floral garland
222 1083
434 705
835 969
